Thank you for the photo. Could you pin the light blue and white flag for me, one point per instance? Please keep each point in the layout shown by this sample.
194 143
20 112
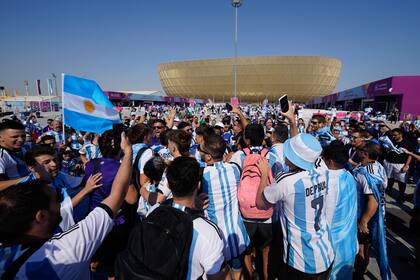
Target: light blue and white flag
86 107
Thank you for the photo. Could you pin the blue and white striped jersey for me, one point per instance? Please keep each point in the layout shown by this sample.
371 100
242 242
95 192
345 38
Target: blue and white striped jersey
147 154
363 188
306 233
144 206
57 135
324 135
342 218
276 159
195 152
163 152
91 151
220 182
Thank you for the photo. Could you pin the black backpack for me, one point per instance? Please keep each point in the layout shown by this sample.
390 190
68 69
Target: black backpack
159 246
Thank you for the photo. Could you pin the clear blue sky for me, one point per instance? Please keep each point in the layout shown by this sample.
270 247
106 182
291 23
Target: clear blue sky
121 43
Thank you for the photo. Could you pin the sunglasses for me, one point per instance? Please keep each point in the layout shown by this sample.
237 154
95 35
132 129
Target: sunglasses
314 122
157 127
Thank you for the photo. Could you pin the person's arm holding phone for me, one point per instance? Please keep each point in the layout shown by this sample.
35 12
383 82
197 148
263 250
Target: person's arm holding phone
171 118
237 111
122 179
290 115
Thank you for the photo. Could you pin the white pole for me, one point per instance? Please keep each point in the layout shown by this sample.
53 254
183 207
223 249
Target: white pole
49 86
236 54
62 106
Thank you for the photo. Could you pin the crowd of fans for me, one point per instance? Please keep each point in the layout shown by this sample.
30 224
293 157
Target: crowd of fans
202 192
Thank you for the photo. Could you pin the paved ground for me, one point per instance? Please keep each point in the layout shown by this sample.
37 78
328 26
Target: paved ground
400 240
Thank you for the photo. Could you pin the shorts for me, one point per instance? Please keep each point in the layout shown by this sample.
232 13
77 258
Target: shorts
236 263
260 235
294 274
393 171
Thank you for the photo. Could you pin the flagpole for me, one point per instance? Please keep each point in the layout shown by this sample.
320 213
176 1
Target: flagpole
62 105
26 93
49 85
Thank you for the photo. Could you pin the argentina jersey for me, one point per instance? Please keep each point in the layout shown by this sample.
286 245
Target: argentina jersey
276 159
306 233
220 182
342 218
206 250
378 172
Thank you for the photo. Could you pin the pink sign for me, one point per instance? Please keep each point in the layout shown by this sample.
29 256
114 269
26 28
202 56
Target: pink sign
234 101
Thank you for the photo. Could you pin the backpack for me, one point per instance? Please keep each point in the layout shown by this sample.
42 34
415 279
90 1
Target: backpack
158 247
249 184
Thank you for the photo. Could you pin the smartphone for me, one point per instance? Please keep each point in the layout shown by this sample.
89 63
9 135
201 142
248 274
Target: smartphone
229 107
117 129
284 103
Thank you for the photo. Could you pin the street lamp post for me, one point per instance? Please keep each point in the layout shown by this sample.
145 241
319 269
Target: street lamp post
236 4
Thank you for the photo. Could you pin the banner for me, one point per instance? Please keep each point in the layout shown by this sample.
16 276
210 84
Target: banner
38 86
50 87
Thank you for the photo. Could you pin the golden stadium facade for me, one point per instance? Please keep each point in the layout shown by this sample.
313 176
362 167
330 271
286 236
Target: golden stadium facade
300 77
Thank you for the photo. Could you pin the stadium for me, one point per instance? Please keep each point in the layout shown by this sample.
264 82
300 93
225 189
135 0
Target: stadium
260 77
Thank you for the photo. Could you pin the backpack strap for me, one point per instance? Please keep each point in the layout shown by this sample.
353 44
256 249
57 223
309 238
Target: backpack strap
136 172
247 151
264 152
13 269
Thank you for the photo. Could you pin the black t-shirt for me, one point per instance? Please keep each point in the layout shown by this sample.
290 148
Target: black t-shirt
394 157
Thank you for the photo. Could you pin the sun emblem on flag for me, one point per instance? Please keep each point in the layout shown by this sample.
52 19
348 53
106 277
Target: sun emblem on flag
89 107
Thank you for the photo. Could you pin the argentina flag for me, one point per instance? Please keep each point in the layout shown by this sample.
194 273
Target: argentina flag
85 106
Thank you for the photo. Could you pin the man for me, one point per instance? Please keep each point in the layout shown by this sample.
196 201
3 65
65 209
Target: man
397 163
371 181
158 127
259 230
340 210
48 127
206 252
179 143
201 133
220 182
139 135
30 212
57 132
90 149
12 166
308 249
205 255
47 140
185 126
356 141
319 128
276 155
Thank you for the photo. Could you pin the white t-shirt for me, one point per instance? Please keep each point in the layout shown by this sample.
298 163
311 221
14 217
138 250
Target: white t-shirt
306 233
12 166
147 154
363 188
67 255
206 251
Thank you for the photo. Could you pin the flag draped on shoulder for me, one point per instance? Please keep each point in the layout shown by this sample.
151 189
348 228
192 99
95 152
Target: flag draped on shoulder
85 106
377 226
